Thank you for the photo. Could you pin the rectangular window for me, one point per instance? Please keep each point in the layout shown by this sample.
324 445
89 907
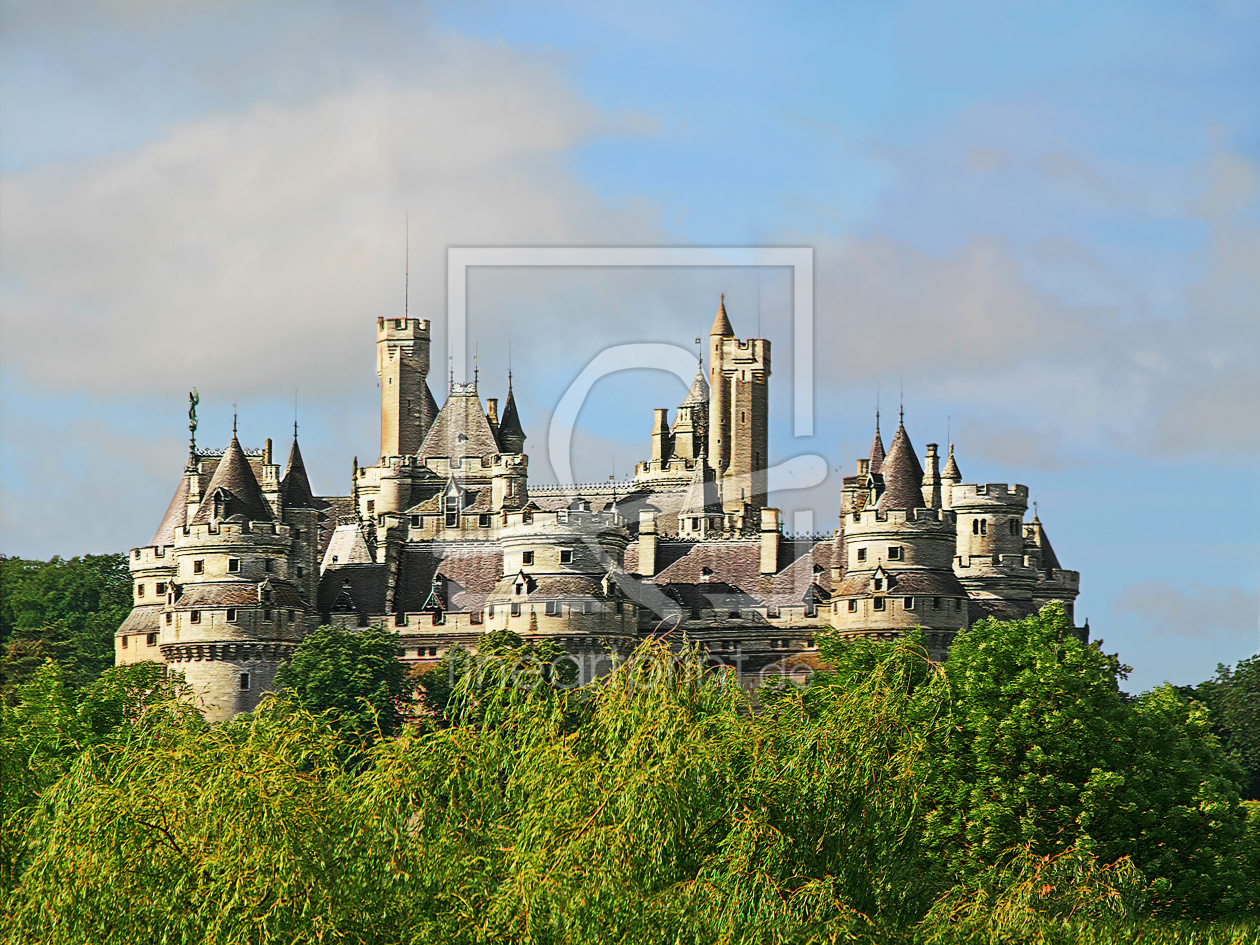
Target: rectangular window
292 616
452 503
159 588
957 605
452 520
936 603
809 610
124 643
491 611
527 557
139 590
853 607
566 557
621 607
266 615
199 566
269 565
861 554
588 607
909 603
475 617
169 618
733 613
231 615
371 506
894 552
244 682
194 616
516 610
975 526
234 565
150 639
984 526
439 618
553 608
400 620
483 520
879 603
415 521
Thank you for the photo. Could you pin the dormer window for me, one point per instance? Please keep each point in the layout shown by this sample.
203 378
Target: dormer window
879 584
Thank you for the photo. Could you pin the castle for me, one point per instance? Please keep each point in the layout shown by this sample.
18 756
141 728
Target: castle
444 539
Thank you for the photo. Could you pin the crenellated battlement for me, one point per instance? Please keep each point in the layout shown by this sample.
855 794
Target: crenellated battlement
989 494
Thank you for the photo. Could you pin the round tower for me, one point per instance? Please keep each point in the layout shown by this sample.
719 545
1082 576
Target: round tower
562 580
990 558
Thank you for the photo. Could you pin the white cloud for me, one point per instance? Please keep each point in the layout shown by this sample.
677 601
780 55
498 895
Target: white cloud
1191 609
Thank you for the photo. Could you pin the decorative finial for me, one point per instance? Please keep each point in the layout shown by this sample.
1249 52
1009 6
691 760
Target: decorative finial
901 401
234 420
193 400
295 413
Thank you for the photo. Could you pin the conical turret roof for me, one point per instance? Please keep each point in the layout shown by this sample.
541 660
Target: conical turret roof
722 324
176 516
698 393
951 467
235 478
1049 560
295 487
903 476
428 408
877 449
511 433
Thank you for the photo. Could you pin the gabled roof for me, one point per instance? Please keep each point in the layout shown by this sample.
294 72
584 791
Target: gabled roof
176 516
877 449
461 428
234 479
295 488
722 324
903 476
510 429
951 467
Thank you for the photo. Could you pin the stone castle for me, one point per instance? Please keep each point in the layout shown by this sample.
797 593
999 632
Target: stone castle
444 539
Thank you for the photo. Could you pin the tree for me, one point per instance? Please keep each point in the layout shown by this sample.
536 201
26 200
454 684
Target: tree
1045 752
66 611
354 674
1233 698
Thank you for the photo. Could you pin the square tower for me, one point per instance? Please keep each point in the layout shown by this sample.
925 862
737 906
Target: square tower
402 363
739 376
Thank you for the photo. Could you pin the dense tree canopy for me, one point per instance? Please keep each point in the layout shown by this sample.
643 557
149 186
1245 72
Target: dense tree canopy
66 611
1233 700
355 674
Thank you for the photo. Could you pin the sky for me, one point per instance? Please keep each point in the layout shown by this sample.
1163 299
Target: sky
1035 226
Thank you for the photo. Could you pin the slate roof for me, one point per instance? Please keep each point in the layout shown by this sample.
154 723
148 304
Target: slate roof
470 569
903 476
698 393
366 588
722 324
510 430
951 467
176 516
1049 560
231 594
549 587
235 477
702 493
295 487
461 429
428 408
904 583
981 607
347 546
144 619
877 449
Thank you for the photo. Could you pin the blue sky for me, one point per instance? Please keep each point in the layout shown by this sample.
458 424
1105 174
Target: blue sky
1042 222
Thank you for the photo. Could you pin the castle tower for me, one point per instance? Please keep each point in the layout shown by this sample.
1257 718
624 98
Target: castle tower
898 555
739 374
510 433
402 364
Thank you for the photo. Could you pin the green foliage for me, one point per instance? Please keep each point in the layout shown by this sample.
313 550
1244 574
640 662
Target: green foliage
353 674
1044 752
66 611
1233 697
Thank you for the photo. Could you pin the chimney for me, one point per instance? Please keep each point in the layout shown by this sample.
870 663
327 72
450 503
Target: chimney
647 543
770 541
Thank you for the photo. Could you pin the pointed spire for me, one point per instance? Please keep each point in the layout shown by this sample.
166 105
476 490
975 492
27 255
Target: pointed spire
951 467
722 324
511 433
877 448
698 393
295 487
234 490
702 497
903 476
